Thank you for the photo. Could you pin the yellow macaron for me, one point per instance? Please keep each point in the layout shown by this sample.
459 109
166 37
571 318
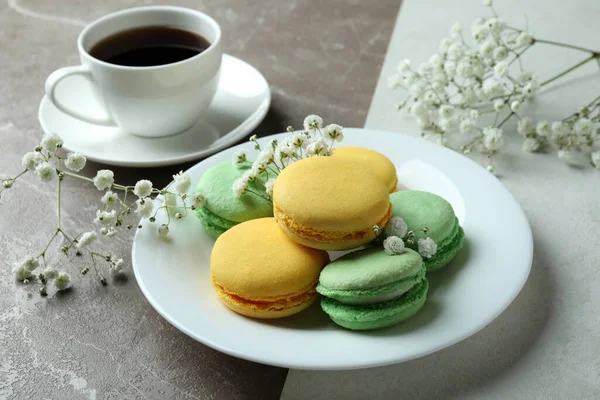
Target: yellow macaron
259 272
379 164
330 203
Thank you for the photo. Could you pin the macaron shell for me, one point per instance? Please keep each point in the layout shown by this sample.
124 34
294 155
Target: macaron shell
403 285
369 269
423 209
445 254
380 315
212 223
377 163
255 260
331 194
216 186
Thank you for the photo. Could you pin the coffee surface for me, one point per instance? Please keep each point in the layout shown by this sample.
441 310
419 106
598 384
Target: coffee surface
149 46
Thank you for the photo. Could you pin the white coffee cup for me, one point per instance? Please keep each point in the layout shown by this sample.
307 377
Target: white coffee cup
147 101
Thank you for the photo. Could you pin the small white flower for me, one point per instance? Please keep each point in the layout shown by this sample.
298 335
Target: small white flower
425 69
501 69
419 109
524 38
465 69
456 29
409 79
487 3
529 89
467 126
559 129
583 126
393 245
456 51
75 161
269 186
199 200
543 128
498 105
492 87
500 53
110 198
445 45
396 227
105 218
450 68
469 96
312 123
51 142
417 89
117 267
240 186
436 60
492 138
86 239
111 232
394 81
62 281
144 207
239 158
104 179
474 114
403 66
515 106
20 272
446 111
182 182
143 188
31 160
50 273
525 126
596 159
486 49
317 148
45 171
253 138
297 139
427 247
29 263
531 145
163 230
265 157
333 132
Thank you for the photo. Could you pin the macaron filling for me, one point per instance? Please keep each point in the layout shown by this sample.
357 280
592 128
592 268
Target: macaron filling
375 299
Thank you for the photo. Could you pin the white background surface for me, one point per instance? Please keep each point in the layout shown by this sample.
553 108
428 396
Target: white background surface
546 345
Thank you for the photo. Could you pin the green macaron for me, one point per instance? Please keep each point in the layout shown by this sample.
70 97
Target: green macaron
223 208
369 289
423 209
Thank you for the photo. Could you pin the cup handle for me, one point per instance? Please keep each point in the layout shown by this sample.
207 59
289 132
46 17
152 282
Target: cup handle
54 79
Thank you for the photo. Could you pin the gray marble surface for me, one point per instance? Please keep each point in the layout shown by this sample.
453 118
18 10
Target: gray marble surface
97 342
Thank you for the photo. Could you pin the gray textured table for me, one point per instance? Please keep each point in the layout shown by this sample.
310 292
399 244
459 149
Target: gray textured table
108 342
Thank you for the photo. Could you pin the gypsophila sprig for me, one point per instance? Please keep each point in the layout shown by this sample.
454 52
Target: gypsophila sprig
274 157
469 89
113 215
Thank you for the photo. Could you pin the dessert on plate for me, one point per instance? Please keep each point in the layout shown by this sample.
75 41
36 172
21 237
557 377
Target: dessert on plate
257 271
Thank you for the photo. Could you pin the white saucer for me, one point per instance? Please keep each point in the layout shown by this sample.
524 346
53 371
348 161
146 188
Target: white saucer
241 103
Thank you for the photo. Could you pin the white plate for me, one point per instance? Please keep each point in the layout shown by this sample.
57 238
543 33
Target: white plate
242 101
464 297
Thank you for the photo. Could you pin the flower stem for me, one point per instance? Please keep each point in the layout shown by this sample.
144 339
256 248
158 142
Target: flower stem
58 185
569 46
574 67
505 119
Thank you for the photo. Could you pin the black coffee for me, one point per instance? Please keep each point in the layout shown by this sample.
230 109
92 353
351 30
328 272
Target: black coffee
149 46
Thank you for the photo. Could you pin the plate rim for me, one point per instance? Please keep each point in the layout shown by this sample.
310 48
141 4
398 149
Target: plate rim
364 365
243 129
